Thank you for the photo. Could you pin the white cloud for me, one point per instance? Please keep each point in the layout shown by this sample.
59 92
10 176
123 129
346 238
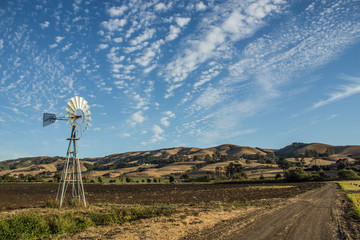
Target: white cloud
210 97
103 46
213 42
182 21
1 44
148 33
113 57
174 32
165 120
141 102
117 11
207 76
66 47
344 92
118 40
114 24
162 7
136 118
150 53
44 24
58 39
158 131
200 6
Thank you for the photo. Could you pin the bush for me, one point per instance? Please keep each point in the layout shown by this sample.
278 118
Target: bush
295 175
277 176
347 174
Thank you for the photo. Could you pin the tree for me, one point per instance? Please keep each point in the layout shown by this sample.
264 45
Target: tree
342 163
57 177
330 151
184 176
283 163
100 179
235 171
208 158
171 179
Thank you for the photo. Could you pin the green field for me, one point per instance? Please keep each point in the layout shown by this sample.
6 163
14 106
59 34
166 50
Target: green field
352 189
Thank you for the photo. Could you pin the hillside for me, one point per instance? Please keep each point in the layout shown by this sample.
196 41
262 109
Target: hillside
163 162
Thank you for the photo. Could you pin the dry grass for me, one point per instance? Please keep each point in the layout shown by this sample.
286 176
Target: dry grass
178 167
311 161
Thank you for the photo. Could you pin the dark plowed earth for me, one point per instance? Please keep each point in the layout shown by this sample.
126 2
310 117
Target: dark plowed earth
308 216
24 195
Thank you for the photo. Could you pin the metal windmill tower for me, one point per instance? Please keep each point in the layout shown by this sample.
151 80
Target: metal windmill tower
77 115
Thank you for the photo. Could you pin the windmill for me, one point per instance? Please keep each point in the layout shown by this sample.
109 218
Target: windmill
77 116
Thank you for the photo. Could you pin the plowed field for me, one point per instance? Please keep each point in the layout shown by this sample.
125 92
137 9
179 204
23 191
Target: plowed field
25 195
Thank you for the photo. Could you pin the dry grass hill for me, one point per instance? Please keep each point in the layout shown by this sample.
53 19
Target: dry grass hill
195 161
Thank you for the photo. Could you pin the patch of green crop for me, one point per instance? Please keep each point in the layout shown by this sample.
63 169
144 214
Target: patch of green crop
349 185
355 199
352 186
44 226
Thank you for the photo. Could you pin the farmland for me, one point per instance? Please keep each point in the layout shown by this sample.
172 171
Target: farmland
182 211
25 195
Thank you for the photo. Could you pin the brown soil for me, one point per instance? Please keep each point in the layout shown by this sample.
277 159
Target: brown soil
24 195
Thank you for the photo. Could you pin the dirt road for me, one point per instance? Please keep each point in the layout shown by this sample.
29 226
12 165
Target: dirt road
316 214
308 216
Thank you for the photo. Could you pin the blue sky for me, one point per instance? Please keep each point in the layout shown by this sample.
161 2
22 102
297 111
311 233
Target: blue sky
261 73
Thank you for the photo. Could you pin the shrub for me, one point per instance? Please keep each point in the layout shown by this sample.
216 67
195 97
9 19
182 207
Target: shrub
295 175
347 174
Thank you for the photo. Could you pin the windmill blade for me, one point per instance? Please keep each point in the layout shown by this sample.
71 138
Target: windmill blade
69 115
86 110
71 104
85 104
77 102
70 109
81 106
88 118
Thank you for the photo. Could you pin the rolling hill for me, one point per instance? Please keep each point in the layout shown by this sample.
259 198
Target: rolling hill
162 162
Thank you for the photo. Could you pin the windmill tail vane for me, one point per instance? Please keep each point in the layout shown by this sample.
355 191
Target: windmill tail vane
77 116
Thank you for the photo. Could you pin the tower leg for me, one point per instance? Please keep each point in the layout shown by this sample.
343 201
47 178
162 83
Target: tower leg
72 174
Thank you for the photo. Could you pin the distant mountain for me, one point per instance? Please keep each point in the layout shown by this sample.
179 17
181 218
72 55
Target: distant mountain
319 148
